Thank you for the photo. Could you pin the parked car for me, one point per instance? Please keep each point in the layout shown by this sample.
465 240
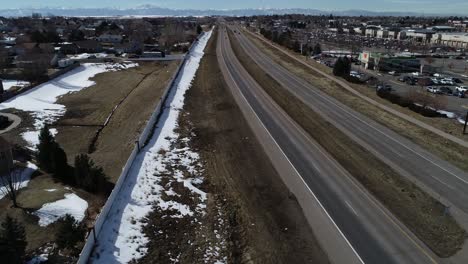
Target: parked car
394 73
447 81
92 57
411 81
446 90
432 89
461 89
459 94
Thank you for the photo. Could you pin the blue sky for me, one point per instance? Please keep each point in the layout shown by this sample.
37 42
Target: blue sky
428 6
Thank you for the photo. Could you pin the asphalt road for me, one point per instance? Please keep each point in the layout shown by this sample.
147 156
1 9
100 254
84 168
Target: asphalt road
370 233
437 176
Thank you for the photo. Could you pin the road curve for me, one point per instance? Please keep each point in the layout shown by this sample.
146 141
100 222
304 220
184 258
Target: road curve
373 234
435 175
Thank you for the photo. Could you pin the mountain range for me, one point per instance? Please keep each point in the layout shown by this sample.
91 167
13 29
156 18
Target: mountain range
149 10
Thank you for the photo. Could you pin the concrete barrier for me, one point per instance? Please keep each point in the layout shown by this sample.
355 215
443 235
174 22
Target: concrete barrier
92 236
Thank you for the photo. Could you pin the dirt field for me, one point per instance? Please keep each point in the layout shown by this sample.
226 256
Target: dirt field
265 224
422 214
443 148
138 91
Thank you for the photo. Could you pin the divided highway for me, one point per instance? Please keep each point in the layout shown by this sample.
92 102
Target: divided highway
357 228
435 175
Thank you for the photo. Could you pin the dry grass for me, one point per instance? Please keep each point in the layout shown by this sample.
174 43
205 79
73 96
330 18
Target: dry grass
421 213
438 145
142 86
239 172
31 199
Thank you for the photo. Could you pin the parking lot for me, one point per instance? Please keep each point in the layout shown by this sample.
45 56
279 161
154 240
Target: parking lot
453 103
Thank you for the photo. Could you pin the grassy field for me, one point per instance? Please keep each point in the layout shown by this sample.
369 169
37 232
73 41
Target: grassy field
421 213
138 90
445 149
32 198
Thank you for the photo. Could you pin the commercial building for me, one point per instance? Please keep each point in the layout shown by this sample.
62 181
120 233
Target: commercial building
417 35
456 40
383 62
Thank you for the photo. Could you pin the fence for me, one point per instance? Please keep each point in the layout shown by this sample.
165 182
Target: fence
91 239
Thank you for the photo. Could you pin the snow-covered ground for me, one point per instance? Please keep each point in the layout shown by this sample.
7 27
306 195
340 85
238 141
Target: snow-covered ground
72 204
41 100
87 55
23 179
121 238
7 84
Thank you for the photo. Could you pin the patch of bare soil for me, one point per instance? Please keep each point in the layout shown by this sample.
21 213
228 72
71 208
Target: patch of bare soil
420 212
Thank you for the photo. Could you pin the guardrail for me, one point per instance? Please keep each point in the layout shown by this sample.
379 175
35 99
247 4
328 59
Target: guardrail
92 236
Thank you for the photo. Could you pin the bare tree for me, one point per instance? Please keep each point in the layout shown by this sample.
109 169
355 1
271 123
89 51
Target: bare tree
11 183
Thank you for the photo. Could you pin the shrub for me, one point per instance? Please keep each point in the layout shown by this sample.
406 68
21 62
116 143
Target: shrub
89 176
69 232
12 241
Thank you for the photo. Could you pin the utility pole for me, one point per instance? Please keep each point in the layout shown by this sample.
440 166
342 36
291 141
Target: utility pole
466 121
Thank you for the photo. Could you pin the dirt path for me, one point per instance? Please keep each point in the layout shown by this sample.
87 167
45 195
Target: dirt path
16 121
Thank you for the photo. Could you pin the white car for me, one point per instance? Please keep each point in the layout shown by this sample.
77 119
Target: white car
432 89
462 89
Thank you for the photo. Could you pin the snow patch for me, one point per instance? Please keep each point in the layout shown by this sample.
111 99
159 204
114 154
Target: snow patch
24 178
86 55
41 100
72 204
7 84
121 238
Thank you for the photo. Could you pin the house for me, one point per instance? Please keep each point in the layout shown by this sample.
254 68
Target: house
110 38
128 47
6 157
31 48
69 48
89 46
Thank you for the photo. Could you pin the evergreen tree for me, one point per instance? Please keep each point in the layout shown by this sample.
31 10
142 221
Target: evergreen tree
45 149
342 67
12 241
87 175
60 165
69 233
199 29
51 157
317 49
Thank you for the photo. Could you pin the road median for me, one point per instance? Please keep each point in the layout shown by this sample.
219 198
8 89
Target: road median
420 212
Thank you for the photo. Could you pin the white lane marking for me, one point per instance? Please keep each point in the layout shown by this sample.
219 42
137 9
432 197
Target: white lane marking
300 176
370 198
388 136
349 205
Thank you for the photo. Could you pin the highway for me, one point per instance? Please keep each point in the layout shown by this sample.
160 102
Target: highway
435 175
358 228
